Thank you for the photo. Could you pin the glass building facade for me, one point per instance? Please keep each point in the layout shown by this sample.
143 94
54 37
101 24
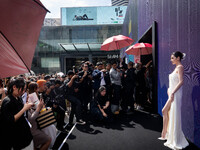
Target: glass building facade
61 47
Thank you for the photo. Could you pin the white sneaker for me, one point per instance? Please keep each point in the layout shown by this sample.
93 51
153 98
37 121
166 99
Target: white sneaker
81 122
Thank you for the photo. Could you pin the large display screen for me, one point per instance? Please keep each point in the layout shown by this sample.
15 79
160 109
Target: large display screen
93 15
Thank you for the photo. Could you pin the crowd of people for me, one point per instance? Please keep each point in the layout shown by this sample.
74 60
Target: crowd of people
103 91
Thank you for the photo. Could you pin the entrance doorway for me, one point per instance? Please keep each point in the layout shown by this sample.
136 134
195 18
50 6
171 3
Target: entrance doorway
150 37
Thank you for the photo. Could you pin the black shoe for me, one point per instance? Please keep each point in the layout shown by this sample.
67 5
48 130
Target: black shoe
81 122
62 130
69 126
65 131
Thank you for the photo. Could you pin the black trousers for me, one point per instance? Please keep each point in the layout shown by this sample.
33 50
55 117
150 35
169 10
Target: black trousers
98 116
60 116
75 108
116 94
85 97
127 98
140 95
109 92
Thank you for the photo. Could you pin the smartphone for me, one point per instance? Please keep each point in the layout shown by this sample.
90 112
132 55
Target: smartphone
40 95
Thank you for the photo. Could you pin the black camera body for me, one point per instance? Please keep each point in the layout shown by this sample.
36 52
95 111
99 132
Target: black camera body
89 73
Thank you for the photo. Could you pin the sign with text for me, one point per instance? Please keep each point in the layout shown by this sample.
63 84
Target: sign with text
112 56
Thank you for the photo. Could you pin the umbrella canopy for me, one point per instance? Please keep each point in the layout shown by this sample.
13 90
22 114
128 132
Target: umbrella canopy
139 49
116 42
19 32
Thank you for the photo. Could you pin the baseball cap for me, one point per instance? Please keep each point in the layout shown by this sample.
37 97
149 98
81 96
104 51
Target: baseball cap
70 72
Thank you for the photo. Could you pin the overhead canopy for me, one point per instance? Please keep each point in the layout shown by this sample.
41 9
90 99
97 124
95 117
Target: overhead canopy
20 26
81 47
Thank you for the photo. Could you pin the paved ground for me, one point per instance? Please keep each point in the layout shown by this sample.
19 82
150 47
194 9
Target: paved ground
128 132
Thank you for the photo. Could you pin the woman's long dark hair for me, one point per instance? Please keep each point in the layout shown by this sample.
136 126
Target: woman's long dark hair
98 93
18 82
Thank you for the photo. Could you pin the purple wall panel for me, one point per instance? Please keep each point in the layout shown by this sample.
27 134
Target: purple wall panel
193 74
178 28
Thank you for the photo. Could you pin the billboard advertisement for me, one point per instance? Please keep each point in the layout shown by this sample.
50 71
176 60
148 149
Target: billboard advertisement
111 15
79 16
93 15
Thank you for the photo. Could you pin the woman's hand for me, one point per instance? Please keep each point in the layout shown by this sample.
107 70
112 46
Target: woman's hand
41 104
27 106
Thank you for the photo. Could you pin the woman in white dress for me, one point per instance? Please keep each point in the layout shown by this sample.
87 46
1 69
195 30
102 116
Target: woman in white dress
172 129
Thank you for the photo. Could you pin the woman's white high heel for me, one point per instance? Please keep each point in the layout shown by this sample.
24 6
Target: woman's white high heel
163 139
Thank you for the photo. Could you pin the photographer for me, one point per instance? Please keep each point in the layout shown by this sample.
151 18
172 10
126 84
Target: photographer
96 74
90 67
59 104
50 101
71 90
105 81
58 94
85 86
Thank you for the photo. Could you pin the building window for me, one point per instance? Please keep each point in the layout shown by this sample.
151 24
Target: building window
52 62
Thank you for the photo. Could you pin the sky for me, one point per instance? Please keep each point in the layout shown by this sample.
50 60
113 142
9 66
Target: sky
54 5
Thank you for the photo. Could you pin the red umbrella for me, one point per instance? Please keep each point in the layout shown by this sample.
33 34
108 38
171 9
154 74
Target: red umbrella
116 42
19 32
139 49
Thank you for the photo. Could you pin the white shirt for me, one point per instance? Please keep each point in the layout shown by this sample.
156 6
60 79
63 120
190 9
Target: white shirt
102 80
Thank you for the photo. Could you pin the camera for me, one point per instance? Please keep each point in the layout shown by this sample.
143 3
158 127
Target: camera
89 73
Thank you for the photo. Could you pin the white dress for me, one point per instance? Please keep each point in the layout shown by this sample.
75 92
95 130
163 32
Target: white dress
175 137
